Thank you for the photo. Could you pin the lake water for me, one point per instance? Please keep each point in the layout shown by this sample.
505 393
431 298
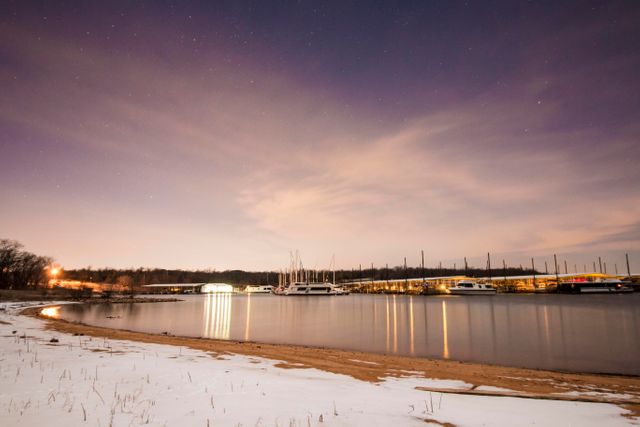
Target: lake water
585 333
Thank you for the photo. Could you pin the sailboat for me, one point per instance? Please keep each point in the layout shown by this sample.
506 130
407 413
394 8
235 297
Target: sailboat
298 281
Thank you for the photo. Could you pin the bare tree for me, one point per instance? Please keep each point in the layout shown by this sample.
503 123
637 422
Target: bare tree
30 271
126 284
9 254
21 269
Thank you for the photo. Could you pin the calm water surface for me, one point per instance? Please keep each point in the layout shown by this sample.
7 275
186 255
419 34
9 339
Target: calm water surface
587 333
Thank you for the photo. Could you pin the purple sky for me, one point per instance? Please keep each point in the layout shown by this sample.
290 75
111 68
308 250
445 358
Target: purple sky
202 135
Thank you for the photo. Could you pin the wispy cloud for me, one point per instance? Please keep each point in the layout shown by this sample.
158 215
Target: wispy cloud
149 153
463 180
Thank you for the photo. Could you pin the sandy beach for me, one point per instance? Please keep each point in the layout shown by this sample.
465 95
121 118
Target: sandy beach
100 376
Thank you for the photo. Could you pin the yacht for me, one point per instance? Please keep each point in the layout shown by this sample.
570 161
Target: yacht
304 288
472 288
610 286
296 280
259 289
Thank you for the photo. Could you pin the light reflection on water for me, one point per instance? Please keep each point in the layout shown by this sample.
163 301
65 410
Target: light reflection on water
217 316
248 319
445 336
388 335
53 312
597 333
395 326
411 342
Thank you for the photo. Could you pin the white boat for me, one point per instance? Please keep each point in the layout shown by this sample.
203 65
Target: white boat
259 289
296 280
341 290
472 288
304 288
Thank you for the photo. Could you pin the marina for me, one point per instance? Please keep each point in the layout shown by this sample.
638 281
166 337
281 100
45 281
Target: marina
460 285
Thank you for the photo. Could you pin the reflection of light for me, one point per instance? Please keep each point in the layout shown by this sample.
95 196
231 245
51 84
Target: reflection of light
217 315
51 312
248 318
387 323
546 326
445 350
411 346
395 326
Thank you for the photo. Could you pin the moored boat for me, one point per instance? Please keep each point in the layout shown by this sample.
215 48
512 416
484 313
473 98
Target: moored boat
259 289
341 290
472 288
299 281
595 287
309 288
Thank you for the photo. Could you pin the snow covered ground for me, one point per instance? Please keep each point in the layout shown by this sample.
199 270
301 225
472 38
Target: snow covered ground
81 380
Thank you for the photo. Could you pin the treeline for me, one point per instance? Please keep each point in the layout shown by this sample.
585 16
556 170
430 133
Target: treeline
149 276
20 269
146 276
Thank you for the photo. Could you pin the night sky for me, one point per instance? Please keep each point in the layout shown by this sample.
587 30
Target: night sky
226 134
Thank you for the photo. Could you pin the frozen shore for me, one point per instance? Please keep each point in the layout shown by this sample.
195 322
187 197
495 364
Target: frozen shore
57 379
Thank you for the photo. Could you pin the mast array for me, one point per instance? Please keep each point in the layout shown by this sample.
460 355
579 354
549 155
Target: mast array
296 273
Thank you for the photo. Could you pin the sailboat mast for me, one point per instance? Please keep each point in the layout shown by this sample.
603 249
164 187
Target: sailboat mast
533 267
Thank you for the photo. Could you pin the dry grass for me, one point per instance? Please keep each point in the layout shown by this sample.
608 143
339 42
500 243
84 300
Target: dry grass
436 422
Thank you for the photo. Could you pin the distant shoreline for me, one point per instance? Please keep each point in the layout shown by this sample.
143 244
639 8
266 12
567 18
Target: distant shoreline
25 295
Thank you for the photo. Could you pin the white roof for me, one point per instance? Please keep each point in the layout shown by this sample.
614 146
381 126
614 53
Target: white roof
175 285
496 277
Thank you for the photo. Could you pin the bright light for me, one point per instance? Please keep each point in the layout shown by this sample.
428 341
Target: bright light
216 288
54 271
51 312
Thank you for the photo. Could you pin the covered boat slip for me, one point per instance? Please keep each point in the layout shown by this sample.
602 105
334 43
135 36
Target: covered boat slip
189 288
440 285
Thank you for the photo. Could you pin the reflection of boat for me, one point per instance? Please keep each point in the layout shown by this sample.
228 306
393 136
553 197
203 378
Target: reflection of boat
547 289
304 288
472 288
259 289
595 287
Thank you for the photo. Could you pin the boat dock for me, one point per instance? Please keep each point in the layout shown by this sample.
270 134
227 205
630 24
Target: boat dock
438 285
